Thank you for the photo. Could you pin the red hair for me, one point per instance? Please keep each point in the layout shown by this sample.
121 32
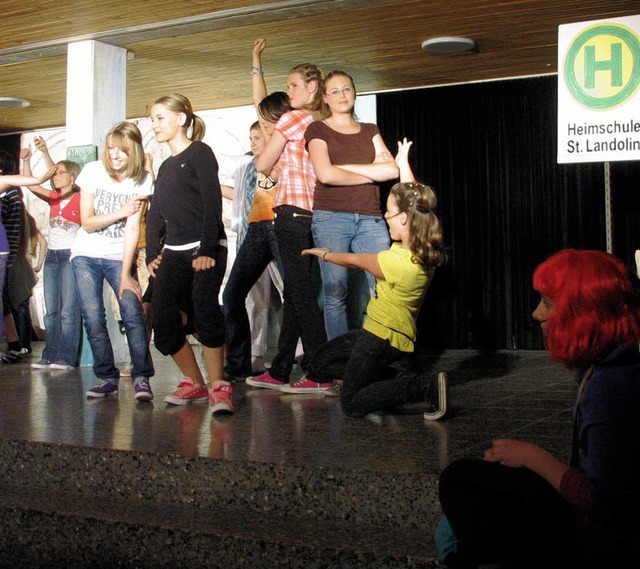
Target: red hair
596 305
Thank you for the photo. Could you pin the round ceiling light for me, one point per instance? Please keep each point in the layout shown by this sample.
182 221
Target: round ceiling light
14 102
448 45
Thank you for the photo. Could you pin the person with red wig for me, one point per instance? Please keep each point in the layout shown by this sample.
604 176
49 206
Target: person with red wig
520 503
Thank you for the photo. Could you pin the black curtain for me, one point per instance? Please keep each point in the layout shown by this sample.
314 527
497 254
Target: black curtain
11 143
489 149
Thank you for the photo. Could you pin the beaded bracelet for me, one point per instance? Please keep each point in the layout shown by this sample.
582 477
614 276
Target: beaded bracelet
256 70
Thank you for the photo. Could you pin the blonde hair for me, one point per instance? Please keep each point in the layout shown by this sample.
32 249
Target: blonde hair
29 245
419 202
180 104
126 136
309 72
71 168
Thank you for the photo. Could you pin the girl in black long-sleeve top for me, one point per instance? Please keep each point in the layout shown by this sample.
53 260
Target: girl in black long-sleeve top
187 244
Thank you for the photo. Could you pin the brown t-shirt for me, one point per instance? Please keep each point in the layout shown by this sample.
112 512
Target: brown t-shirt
346 149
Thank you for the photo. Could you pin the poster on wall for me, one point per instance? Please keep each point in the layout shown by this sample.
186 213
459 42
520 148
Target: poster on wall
599 90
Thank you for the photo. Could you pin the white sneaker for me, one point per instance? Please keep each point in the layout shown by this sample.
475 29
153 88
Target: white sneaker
439 407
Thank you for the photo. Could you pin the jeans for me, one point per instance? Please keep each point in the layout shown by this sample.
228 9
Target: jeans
344 232
4 257
63 318
301 316
362 360
90 273
258 249
24 325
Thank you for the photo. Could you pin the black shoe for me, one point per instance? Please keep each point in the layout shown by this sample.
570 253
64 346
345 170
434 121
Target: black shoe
11 357
438 404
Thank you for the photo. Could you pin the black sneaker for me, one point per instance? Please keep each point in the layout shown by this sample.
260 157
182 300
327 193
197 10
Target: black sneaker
438 405
11 357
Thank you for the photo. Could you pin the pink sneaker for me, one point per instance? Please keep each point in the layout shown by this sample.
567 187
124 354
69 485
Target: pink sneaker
220 398
266 380
305 385
187 391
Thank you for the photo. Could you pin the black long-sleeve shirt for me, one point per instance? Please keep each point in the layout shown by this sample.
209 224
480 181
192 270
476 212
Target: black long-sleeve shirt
187 203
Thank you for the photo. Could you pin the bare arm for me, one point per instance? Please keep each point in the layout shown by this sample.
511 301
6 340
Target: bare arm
402 160
271 154
326 172
10 181
518 453
41 145
92 222
366 261
227 191
383 168
42 252
131 238
258 85
25 155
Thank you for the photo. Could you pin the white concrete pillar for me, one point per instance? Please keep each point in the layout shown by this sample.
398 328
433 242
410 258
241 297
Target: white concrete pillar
96 91
96 100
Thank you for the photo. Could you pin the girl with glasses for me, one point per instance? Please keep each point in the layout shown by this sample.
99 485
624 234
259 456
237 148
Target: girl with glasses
63 318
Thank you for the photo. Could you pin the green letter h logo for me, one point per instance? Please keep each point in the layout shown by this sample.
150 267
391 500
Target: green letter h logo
591 65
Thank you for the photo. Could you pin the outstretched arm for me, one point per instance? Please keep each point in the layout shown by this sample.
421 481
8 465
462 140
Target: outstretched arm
366 261
25 155
12 180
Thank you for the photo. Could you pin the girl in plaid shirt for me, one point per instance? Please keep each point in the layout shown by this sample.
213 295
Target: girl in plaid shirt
293 208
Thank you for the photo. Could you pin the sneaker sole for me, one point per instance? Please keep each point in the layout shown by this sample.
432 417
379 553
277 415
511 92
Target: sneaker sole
442 399
222 409
303 390
171 400
264 385
144 397
40 366
61 367
97 395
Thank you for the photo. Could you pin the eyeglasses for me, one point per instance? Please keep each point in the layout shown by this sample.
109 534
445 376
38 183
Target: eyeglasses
336 92
61 172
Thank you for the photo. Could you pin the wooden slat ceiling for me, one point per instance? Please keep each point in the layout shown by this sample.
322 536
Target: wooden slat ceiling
203 49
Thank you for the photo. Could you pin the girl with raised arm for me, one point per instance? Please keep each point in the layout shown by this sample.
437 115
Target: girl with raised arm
62 318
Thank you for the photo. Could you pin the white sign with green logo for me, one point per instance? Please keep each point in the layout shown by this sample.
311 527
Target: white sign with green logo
599 90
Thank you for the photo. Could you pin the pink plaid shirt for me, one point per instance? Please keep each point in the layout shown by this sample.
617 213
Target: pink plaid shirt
297 178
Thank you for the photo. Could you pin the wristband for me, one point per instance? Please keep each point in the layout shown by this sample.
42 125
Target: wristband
325 254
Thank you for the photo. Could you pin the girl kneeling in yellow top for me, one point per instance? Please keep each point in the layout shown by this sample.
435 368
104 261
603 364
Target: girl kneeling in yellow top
402 273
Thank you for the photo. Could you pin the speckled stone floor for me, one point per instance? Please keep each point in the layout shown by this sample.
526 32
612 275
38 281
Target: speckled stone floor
312 462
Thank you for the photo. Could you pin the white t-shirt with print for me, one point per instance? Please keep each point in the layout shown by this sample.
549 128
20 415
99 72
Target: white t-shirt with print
108 195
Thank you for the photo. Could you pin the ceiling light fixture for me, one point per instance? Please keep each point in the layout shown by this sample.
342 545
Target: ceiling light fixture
14 102
448 45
